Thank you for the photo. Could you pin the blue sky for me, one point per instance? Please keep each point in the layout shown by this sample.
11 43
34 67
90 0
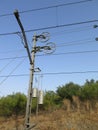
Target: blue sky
77 38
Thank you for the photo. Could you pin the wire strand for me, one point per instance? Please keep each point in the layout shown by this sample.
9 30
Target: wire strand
55 54
50 27
11 72
71 52
48 7
85 28
18 57
74 44
12 51
54 73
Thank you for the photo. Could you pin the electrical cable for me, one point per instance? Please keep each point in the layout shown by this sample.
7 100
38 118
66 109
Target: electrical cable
53 34
10 62
50 27
11 51
54 73
44 8
18 57
74 72
73 52
55 54
85 28
73 44
65 43
62 25
11 72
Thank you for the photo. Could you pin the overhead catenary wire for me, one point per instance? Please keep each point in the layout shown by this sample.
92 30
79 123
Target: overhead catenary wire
11 72
10 62
79 42
72 72
69 43
50 27
48 7
52 34
55 54
72 52
79 29
63 25
15 57
53 73
5 66
12 51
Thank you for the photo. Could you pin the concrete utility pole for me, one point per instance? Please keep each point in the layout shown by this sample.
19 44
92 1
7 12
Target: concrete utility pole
48 48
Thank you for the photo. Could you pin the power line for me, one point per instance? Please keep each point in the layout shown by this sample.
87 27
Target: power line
50 27
48 7
11 72
69 43
18 75
54 6
63 25
17 57
10 33
73 52
12 51
73 44
55 54
10 62
61 45
74 72
72 30
53 34
7 65
54 73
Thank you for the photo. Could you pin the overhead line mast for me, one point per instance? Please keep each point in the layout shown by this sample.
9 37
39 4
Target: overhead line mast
48 48
31 59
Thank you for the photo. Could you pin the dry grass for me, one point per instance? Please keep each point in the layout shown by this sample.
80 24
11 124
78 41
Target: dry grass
61 120
57 120
78 117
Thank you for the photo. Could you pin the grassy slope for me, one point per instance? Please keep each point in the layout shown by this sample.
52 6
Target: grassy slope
57 120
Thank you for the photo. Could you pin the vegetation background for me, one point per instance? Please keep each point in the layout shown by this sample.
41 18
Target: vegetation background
71 107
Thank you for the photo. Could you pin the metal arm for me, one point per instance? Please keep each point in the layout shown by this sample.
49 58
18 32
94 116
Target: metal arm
24 36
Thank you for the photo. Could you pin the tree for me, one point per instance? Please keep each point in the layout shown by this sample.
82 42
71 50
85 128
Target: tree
90 90
68 90
51 100
19 101
13 105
